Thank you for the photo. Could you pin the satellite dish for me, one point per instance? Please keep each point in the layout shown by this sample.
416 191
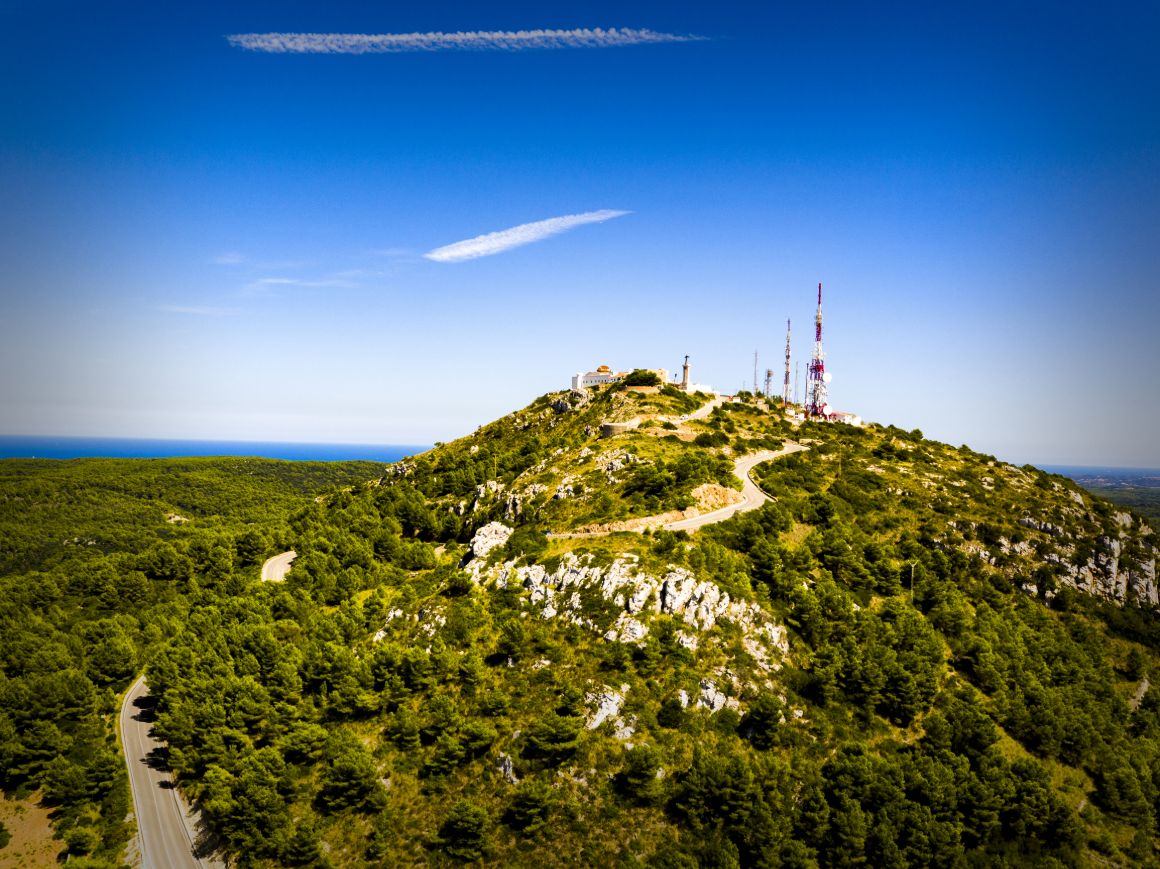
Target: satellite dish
827 377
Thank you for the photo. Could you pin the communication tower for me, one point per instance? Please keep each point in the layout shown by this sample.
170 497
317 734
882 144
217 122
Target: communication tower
817 378
768 380
785 396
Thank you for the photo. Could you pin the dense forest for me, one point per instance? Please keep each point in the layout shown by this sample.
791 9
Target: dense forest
913 655
99 559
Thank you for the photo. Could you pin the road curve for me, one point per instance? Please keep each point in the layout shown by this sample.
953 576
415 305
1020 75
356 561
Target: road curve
165 824
707 408
275 569
752 497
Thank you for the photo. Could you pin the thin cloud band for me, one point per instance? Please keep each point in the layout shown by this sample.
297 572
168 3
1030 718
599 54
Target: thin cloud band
483 40
516 236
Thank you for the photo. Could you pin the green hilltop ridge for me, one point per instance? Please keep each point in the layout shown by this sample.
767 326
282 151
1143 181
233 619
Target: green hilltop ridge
911 654
915 655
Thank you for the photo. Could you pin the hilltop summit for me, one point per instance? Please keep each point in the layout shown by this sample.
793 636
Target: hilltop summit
900 652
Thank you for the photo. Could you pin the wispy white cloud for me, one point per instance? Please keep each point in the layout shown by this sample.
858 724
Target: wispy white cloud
525 233
337 282
198 310
475 40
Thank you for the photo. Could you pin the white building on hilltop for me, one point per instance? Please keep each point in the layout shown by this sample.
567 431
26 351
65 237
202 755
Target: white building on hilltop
599 377
604 375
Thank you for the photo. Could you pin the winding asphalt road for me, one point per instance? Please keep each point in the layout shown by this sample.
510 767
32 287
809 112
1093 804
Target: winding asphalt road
275 569
752 497
165 824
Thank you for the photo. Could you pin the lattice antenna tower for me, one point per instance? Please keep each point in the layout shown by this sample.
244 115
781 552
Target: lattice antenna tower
817 379
785 396
768 380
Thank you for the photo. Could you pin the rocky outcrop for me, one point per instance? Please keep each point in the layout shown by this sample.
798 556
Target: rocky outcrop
1045 527
699 604
484 492
514 506
606 704
488 537
613 461
507 769
568 488
1107 572
714 699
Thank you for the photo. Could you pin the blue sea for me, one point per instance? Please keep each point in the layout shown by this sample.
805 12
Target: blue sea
25 447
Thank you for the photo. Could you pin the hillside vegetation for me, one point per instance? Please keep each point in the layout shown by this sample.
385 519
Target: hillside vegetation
99 559
914 655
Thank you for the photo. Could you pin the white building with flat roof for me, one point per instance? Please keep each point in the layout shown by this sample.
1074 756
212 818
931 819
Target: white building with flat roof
599 377
604 374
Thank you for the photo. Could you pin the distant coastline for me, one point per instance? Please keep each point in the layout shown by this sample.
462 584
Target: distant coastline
1084 474
48 447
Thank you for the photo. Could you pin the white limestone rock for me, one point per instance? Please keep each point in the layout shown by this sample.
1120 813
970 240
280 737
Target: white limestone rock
627 630
713 699
624 729
488 537
607 705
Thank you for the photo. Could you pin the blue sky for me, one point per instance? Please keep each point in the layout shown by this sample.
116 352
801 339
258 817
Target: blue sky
204 240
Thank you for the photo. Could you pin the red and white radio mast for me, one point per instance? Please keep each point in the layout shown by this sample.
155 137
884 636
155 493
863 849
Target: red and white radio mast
817 378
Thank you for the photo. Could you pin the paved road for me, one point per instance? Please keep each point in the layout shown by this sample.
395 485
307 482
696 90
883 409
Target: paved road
707 408
164 820
700 413
753 497
275 568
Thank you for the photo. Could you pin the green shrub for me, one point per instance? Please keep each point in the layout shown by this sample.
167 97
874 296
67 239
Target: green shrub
642 377
463 834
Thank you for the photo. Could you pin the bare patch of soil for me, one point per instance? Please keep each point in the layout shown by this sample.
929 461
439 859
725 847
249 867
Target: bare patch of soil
32 843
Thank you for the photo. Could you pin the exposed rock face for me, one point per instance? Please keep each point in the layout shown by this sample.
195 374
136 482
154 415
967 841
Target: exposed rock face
615 460
488 537
506 768
607 705
567 488
484 491
699 604
1108 572
1045 527
514 506
713 698
626 630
